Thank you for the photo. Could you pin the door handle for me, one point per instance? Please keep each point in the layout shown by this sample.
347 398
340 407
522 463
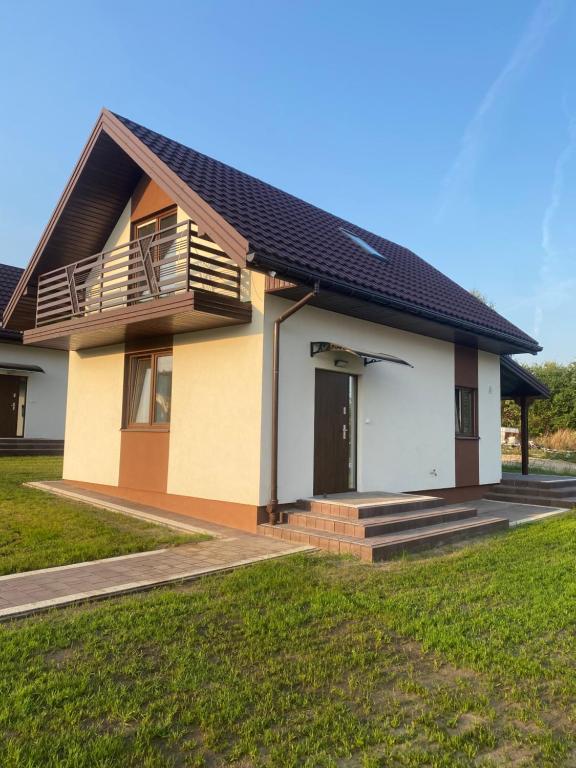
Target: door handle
344 431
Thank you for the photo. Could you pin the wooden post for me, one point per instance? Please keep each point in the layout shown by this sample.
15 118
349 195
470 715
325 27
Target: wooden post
524 435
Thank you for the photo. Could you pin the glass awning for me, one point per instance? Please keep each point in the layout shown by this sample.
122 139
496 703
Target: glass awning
316 347
20 368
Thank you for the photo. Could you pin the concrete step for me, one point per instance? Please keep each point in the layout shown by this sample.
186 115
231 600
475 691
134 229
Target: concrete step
535 493
360 506
522 490
537 481
379 548
375 526
529 498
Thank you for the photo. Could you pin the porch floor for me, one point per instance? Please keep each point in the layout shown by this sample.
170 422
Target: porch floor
515 513
363 498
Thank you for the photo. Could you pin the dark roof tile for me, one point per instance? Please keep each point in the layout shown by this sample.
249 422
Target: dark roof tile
294 233
9 277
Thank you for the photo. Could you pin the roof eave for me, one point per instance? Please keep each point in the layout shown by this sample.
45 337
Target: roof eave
540 390
267 262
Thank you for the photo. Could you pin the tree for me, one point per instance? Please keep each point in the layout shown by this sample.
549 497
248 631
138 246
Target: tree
481 297
557 412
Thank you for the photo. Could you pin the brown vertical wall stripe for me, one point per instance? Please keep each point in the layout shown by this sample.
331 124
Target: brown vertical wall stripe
144 453
144 460
148 199
467 450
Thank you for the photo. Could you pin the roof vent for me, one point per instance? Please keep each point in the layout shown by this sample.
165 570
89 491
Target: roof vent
363 244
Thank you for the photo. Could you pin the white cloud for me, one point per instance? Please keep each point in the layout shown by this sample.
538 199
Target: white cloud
553 289
544 17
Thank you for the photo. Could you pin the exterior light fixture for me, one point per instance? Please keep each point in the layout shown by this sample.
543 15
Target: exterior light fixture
341 363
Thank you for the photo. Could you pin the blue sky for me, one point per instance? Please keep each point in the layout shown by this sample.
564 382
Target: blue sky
449 127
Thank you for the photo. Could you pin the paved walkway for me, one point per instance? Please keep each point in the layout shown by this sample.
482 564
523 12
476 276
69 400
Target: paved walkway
517 514
22 594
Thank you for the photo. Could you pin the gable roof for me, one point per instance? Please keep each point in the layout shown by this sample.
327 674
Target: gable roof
9 279
516 381
252 219
298 239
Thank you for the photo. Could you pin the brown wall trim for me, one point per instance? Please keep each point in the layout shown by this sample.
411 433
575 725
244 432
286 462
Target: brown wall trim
458 495
273 284
465 366
148 199
144 459
151 344
467 451
245 517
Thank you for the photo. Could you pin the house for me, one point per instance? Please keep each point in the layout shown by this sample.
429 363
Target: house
234 349
32 387
510 436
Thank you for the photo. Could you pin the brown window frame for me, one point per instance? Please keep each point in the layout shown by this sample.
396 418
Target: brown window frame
473 434
156 217
129 361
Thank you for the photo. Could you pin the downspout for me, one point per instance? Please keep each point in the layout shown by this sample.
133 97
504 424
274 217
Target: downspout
272 506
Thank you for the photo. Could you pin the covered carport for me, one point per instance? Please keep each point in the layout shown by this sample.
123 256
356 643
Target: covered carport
518 384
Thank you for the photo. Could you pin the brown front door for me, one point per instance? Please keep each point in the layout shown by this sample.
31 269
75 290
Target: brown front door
334 432
9 389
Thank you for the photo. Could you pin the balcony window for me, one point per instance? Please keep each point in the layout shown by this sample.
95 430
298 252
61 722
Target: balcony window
149 390
167 268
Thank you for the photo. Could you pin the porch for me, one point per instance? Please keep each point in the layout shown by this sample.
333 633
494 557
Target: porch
538 489
519 385
379 526
373 527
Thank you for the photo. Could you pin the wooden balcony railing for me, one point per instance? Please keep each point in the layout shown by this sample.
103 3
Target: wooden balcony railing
168 262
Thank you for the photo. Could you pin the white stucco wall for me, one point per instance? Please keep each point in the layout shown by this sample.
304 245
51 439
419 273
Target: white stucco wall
489 417
405 415
215 430
121 232
46 392
94 416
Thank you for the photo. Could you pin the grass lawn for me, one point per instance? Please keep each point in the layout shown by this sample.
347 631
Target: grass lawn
461 659
38 530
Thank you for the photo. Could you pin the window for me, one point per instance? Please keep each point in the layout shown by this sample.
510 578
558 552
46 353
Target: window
149 392
465 412
164 256
363 244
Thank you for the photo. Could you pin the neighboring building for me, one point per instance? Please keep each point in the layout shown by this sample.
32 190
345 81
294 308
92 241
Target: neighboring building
163 272
32 387
510 436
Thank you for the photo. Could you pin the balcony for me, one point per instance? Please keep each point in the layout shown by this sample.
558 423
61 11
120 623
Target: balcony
172 281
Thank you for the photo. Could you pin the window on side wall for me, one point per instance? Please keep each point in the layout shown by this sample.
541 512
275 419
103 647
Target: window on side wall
149 390
466 418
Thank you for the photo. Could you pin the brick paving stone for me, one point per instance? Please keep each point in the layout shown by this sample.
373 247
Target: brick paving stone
34 591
